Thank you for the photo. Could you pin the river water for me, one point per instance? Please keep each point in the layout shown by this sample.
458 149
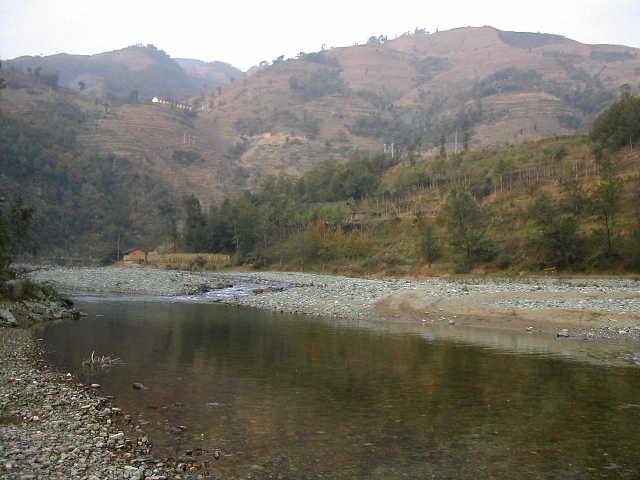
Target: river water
284 396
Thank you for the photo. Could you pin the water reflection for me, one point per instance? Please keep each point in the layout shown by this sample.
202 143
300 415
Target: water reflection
303 398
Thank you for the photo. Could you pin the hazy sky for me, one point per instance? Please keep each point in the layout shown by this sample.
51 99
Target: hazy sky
245 32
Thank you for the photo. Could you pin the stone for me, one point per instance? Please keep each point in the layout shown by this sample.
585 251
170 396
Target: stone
139 386
7 318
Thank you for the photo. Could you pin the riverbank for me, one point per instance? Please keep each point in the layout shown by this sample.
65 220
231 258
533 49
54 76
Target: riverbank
52 427
594 309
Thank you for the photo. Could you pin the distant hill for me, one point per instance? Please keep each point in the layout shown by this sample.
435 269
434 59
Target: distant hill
207 76
475 86
142 69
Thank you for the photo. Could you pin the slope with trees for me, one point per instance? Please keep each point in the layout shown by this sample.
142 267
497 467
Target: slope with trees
357 217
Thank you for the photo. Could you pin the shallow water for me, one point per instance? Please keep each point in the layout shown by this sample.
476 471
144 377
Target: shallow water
298 397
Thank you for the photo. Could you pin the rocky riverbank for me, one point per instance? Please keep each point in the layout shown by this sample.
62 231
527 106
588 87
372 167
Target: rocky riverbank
55 428
24 303
590 308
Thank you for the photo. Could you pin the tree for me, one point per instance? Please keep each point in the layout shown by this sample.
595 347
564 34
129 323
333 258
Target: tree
168 222
605 201
195 227
618 126
466 135
15 220
443 146
49 79
632 241
133 97
247 225
467 226
574 198
558 236
429 242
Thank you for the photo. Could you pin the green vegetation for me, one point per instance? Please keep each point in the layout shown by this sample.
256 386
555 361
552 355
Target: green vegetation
611 56
510 80
186 157
430 247
15 219
467 225
530 40
251 126
84 206
319 83
429 67
568 203
618 126
526 207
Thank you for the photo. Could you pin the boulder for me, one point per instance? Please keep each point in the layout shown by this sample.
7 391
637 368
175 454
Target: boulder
7 319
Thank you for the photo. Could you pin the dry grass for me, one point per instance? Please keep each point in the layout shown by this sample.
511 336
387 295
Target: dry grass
101 361
191 261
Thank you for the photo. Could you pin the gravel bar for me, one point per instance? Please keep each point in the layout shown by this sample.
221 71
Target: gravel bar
334 295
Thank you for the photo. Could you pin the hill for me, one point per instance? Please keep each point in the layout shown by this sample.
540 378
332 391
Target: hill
142 69
103 175
86 205
500 87
468 86
208 76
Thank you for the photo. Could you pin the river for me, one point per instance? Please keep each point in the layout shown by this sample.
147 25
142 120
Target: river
286 396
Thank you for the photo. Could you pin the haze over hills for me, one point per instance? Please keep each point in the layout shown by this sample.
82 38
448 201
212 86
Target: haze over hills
479 86
143 69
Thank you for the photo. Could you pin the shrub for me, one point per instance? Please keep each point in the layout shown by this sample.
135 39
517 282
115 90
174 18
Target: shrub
317 84
617 126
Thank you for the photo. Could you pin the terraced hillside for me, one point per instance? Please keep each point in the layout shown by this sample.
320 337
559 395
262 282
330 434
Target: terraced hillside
468 86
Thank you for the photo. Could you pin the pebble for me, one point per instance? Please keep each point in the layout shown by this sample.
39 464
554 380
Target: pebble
59 430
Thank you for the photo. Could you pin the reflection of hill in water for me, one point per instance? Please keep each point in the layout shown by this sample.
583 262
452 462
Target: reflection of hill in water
304 398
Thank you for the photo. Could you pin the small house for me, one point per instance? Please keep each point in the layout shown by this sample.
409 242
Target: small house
134 256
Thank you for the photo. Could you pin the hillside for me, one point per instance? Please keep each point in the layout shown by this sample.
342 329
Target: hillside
86 205
208 76
469 86
145 69
503 87
538 206
480 86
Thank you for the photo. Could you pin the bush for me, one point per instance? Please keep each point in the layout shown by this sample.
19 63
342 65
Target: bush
250 126
317 84
617 126
186 157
